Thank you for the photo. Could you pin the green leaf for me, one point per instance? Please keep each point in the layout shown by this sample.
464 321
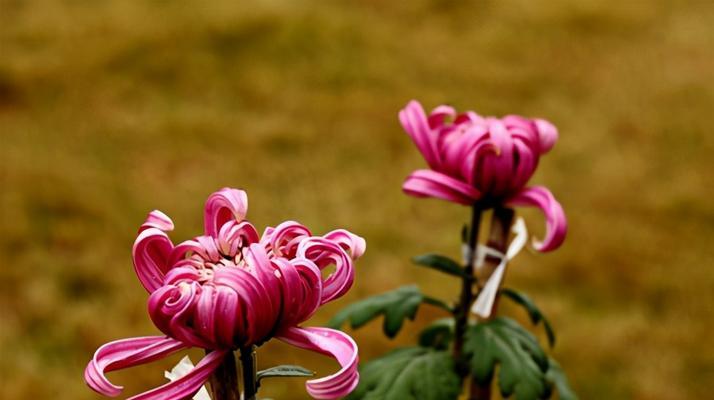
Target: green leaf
556 377
395 305
438 335
440 263
522 361
533 312
283 371
413 373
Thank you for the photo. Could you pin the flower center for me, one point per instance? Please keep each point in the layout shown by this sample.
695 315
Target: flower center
223 255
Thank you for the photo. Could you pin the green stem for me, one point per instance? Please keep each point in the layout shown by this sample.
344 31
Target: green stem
501 221
224 381
249 371
461 310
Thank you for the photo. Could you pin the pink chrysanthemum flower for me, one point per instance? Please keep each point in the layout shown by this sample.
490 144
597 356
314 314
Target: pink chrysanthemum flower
231 288
483 160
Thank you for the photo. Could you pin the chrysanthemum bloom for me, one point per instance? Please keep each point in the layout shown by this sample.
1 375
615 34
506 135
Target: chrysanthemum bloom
231 288
483 160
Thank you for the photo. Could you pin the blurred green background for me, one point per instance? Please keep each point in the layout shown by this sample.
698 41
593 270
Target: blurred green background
109 109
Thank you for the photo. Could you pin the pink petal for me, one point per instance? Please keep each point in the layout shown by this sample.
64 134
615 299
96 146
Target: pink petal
350 242
284 238
547 133
187 385
234 235
324 252
497 168
415 123
439 114
157 219
332 343
150 253
428 183
556 224
302 289
222 206
527 162
185 249
171 308
126 353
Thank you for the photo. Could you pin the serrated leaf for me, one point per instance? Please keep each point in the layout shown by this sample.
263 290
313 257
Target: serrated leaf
284 371
534 312
413 373
438 335
396 306
522 361
440 263
556 377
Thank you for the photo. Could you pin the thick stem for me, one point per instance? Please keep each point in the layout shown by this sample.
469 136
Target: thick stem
498 240
224 381
249 371
467 296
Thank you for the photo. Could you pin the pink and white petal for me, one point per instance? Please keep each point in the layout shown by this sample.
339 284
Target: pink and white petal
187 385
556 223
126 353
438 115
284 238
350 242
332 343
222 206
185 249
414 120
468 117
547 134
235 235
428 183
159 220
324 252
151 255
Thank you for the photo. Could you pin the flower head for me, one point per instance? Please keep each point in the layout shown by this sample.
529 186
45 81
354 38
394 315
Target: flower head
484 160
232 288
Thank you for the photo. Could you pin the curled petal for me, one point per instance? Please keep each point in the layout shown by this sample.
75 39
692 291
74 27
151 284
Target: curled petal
415 123
324 252
284 238
547 134
150 253
332 343
350 242
556 223
187 248
222 206
439 114
302 289
157 219
427 183
126 353
187 385
171 307
234 235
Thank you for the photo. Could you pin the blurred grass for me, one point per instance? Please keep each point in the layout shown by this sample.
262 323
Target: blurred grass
110 109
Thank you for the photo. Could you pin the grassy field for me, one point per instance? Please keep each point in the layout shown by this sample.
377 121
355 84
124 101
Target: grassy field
109 109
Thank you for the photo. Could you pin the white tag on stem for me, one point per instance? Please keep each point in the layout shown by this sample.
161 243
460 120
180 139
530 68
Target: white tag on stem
484 303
